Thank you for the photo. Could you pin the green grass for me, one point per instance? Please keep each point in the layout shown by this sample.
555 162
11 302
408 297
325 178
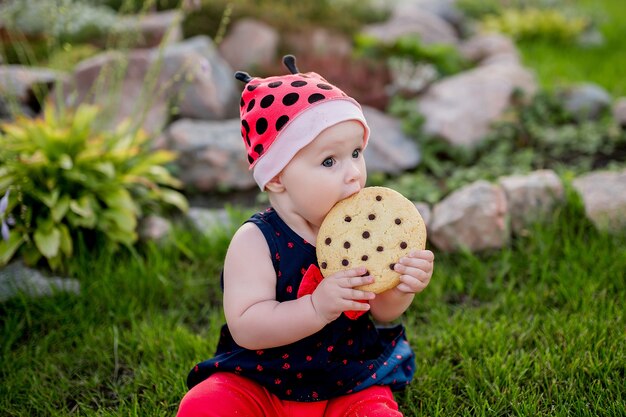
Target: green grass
560 65
533 329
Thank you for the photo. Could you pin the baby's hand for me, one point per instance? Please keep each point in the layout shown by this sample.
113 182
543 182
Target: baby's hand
336 294
416 269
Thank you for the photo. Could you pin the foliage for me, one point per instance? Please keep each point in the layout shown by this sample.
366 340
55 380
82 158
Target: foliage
558 65
537 135
136 6
69 55
477 9
445 58
18 49
63 20
283 15
533 24
527 330
66 180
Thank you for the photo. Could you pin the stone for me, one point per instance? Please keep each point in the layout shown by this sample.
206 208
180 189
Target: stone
141 84
250 44
482 47
532 198
473 218
19 80
208 89
425 211
318 41
430 28
586 101
604 197
389 149
153 29
154 228
16 279
619 112
206 220
211 155
460 109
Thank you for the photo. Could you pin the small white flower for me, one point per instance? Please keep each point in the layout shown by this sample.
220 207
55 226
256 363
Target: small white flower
5 223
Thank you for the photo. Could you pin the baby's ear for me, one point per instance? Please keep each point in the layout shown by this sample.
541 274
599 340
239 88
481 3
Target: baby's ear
275 185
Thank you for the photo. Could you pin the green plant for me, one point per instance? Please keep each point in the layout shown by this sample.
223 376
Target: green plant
539 134
136 6
67 179
284 15
62 20
68 56
445 58
534 24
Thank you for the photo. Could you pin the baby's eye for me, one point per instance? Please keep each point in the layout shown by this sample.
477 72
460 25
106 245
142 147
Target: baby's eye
328 162
356 153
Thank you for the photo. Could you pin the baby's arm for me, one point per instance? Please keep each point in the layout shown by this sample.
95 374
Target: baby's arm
255 319
416 269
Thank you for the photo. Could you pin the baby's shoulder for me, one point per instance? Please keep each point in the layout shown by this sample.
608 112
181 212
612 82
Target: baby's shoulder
248 236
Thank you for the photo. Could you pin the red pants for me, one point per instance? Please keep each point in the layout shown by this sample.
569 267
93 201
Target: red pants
227 395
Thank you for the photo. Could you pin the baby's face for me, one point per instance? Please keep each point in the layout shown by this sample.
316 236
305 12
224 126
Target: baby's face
327 170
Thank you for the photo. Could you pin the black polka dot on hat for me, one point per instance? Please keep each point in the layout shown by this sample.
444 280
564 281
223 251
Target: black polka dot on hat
251 87
324 86
267 101
245 126
259 149
291 99
275 84
316 97
250 159
251 104
241 102
298 83
261 125
282 120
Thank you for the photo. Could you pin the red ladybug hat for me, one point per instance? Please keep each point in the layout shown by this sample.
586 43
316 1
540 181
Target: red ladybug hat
281 115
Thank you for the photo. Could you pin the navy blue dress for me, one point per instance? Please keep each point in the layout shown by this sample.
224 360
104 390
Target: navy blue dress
346 356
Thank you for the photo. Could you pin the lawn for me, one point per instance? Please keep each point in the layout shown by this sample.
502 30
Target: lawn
533 329
559 65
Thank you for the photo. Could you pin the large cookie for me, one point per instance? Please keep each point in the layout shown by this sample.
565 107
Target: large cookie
373 228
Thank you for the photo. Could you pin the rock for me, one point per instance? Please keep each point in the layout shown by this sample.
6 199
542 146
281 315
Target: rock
473 218
430 28
532 198
206 220
16 279
591 38
211 155
190 73
408 77
604 197
21 83
619 112
213 93
485 47
445 9
250 44
461 108
154 228
389 150
153 29
586 101
115 82
318 41
425 212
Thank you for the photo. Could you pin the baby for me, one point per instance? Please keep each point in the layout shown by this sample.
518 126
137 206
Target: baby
280 354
